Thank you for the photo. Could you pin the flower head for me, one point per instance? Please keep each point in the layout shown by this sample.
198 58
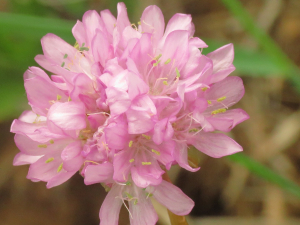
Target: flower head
123 105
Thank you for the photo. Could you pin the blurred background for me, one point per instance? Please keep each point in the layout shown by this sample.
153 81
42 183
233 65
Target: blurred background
257 187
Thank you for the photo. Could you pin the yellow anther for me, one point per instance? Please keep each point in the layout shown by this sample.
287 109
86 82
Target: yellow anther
156 64
194 130
204 89
139 23
128 183
156 152
42 146
218 111
221 99
177 72
209 102
130 143
146 136
168 61
69 99
135 202
49 160
65 56
158 57
128 195
146 163
60 167
51 141
76 45
165 82
58 97
131 160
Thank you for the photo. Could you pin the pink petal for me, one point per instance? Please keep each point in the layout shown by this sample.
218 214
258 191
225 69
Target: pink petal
73 164
152 21
136 86
117 100
122 19
116 135
109 20
91 21
30 147
102 50
173 198
142 180
215 145
181 157
142 211
139 122
60 178
222 61
231 88
98 173
41 94
23 159
68 115
178 22
79 33
122 165
110 209
71 150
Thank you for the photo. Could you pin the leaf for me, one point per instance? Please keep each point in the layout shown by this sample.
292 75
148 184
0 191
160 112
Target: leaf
265 173
270 47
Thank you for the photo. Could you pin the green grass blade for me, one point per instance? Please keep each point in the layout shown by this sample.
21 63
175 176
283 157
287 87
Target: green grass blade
35 26
265 41
265 173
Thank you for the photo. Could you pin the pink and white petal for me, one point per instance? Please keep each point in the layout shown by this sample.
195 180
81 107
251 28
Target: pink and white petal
173 198
109 20
71 150
30 147
221 124
98 173
215 145
152 21
73 164
36 72
136 86
142 211
102 49
91 21
231 89
222 57
139 122
43 169
197 42
122 164
118 100
68 115
178 22
41 94
142 180
23 159
116 135
82 84
79 33
110 209
222 74
181 157
122 19
60 178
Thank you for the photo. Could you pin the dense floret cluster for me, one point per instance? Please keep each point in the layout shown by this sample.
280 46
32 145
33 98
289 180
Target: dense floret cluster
124 105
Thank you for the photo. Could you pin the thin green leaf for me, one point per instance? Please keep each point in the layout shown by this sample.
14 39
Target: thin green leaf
265 41
265 173
35 26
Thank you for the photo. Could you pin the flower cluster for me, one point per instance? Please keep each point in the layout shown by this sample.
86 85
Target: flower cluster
124 105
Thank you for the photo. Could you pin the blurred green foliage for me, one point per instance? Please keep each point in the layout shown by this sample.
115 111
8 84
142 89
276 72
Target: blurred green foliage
20 35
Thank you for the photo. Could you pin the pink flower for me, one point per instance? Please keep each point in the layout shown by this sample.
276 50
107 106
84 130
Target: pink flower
125 104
